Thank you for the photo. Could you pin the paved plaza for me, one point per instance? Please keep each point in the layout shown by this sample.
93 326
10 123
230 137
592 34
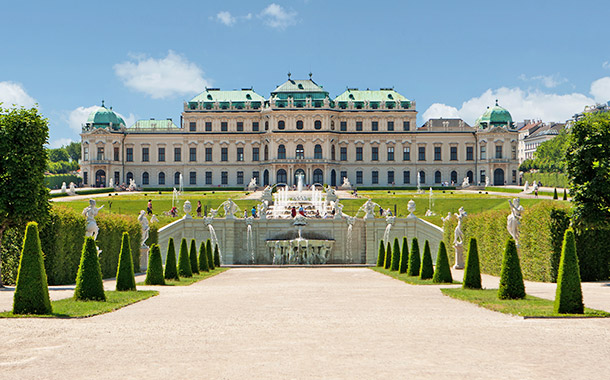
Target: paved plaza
305 323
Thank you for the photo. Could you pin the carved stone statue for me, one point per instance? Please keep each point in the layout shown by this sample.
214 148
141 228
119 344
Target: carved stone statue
514 219
338 210
267 194
465 182
72 190
154 219
63 187
145 228
486 181
411 209
262 209
369 209
230 208
331 195
252 184
187 209
91 212
447 218
346 185
458 233
111 183
526 187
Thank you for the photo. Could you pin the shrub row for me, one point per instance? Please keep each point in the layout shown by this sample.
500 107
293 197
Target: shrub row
435 188
54 181
547 179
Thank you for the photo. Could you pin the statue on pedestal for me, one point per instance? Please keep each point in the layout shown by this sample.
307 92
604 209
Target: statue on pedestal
458 240
514 219
145 228
91 212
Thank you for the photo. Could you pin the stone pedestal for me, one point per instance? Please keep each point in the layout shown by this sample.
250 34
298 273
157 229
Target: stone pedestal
144 258
459 256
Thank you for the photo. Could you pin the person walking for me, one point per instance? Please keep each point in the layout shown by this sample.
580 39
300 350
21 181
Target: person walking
199 209
149 207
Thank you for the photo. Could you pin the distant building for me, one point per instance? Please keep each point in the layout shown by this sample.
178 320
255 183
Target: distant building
544 132
525 129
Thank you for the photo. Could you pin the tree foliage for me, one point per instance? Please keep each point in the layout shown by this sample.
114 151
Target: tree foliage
568 297
511 279
388 256
427 270
58 154
550 156
204 265
125 279
184 262
74 150
171 271
193 257
472 270
381 254
414 259
395 255
216 257
442 272
211 255
154 272
404 256
89 285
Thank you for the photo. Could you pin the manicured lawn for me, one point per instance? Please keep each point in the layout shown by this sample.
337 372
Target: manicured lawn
503 189
69 308
528 307
185 281
413 280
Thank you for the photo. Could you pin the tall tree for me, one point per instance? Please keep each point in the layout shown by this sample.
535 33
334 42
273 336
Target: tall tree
73 150
23 160
59 154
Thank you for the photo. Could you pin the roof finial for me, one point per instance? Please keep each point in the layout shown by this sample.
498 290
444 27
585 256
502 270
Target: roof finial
289 75
102 102
310 74
496 101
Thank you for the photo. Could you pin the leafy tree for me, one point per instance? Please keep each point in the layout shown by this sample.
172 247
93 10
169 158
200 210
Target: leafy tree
193 257
171 272
395 255
184 263
550 156
414 259
74 149
23 161
32 292
565 195
442 272
511 278
125 279
388 256
472 270
404 256
89 285
58 154
427 270
203 258
154 272
381 255
568 297
216 256
210 255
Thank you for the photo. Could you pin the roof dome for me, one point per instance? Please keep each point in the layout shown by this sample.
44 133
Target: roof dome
104 117
495 115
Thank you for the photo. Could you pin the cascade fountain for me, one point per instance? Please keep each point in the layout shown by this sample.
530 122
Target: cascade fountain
350 228
429 212
181 188
214 239
419 190
386 234
250 240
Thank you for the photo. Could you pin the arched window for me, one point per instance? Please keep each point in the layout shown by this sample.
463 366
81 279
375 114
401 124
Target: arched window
470 176
145 178
332 152
437 176
281 124
281 152
422 177
454 177
300 152
317 151
281 176
267 125
129 177
317 124
266 152
177 178
266 177
318 176
161 178
333 178
299 124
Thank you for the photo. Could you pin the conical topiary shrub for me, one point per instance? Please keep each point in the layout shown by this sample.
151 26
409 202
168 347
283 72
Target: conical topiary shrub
381 254
89 285
568 297
217 256
210 255
32 291
565 195
395 255
184 263
555 194
203 258
154 272
472 271
171 272
125 279
511 278
388 256
442 272
427 270
193 257
414 259
404 256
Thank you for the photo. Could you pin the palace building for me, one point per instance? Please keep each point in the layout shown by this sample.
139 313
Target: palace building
225 138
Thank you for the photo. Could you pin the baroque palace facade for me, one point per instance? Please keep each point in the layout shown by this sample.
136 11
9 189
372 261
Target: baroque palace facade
225 138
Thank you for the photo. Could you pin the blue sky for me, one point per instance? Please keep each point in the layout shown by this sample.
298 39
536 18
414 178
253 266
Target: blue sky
541 59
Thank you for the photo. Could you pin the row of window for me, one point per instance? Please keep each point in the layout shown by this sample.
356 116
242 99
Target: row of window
281 125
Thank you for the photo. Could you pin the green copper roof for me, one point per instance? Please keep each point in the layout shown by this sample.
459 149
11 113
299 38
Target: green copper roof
299 86
154 124
104 117
356 95
495 115
216 95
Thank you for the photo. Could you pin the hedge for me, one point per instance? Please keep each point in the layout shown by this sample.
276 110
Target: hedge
193 257
204 265
89 285
472 274
413 188
547 179
388 256
413 265
404 255
381 254
109 241
154 272
216 260
210 254
511 279
171 270
568 295
54 181
125 279
12 240
427 269
184 262
101 190
395 264
187 189
442 271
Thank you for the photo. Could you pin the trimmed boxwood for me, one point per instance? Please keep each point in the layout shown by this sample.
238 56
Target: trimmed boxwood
568 297
203 258
32 292
511 279
388 256
89 285
216 256
125 279
154 272
414 259
184 263
210 255
381 254
193 257
442 272
171 272
404 256
395 255
427 270
472 272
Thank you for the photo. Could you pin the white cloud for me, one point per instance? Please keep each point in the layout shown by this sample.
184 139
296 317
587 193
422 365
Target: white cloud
600 89
277 17
58 143
14 93
161 78
606 65
438 110
78 116
225 18
548 81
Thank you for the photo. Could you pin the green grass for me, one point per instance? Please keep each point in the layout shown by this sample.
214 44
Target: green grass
185 281
503 189
529 307
413 280
69 308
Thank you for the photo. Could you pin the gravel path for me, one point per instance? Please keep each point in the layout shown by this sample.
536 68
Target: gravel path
303 323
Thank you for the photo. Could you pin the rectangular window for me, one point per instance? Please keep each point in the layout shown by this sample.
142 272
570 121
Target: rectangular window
240 154
145 154
514 152
482 176
422 153
208 178
86 155
359 125
514 176
161 154
129 154
208 126
358 177
358 153
437 153
255 126
483 153
86 177
469 153
343 126
224 126
375 177
224 178
208 154
177 154
116 153
240 178
342 175
192 126
375 126
390 125
255 175
145 178
192 154
240 126
100 153
255 154
406 125
390 153
498 151
453 151
390 177
224 154
193 178
406 176
406 153
343 155
374 153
